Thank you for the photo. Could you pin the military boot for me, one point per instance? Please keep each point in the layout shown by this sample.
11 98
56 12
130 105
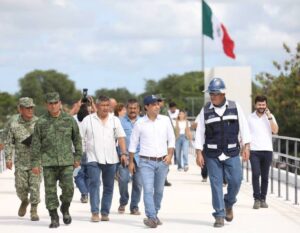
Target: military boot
65 211
33 213
54 219
23 207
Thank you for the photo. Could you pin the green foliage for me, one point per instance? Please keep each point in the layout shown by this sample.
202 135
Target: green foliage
120 94
185 90
283 92
38 82
8 107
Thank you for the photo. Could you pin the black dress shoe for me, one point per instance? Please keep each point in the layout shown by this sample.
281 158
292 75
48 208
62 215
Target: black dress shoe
167 183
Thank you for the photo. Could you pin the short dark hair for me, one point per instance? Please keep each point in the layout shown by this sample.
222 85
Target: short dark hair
131 101
260 98
172 104
102 98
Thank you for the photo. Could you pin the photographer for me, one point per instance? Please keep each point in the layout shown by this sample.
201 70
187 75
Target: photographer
85 100
87 107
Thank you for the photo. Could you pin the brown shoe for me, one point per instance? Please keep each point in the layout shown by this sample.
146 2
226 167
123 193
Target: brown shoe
229 214
135 211
158 222
33 213
219 222
121 209
22 208
152 223
95 217
104 218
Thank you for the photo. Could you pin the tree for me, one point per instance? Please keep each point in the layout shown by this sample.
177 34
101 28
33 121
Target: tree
283 92
185 90
120 94
8 107
37 83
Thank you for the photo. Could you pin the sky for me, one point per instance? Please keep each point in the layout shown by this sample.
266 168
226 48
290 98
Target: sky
122 43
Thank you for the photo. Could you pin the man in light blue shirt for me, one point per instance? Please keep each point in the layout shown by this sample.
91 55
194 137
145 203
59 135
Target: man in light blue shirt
128 122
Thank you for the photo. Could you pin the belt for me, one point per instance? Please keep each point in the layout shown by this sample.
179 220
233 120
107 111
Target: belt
157 159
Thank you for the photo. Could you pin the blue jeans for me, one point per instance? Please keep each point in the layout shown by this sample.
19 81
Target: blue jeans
233 175
94 171
124 178
81 180
182 150
153 178
260 166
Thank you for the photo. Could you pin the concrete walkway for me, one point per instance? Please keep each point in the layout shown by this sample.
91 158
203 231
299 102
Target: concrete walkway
186 208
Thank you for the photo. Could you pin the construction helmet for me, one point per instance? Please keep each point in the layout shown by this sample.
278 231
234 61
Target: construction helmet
216 85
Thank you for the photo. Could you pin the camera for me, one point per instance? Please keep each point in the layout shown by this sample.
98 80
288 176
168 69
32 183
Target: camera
84 98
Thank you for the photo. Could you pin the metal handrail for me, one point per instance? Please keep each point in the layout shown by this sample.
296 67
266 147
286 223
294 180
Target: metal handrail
285 167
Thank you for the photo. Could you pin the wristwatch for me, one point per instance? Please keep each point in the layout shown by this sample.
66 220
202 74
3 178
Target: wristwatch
270 118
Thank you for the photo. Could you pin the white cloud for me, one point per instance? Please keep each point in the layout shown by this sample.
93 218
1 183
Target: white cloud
62 3
137 38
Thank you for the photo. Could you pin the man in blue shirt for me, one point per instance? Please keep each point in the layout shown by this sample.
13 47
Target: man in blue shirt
128 122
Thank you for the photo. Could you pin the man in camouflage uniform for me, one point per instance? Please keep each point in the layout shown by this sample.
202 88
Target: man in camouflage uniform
5 129
54 134
18 137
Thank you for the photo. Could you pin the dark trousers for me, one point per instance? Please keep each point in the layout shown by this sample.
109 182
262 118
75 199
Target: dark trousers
260 166
204 173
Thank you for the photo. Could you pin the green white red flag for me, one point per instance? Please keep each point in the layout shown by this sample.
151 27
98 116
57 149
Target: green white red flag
214 29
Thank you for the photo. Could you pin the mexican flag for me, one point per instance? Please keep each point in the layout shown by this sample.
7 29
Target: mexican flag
212 28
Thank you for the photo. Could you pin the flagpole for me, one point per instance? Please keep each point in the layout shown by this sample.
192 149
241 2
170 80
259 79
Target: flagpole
202 42
202 54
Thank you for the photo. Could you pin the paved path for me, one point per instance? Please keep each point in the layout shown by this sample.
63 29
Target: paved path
186 208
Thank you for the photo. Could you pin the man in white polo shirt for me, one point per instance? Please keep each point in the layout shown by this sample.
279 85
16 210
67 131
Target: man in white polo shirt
261 124
100 131
155 135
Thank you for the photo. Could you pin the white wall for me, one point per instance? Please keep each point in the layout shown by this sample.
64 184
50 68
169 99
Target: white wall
238 84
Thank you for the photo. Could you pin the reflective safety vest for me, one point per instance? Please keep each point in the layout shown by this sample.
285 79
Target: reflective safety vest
221 132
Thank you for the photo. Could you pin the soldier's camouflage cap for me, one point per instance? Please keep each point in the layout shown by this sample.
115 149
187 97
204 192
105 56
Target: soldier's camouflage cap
52 97
26 102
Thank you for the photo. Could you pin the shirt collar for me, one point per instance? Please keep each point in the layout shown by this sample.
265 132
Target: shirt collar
128 119
157 118
212 106
95 116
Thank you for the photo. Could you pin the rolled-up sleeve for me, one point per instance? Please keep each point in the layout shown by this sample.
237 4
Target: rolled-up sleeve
119 128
